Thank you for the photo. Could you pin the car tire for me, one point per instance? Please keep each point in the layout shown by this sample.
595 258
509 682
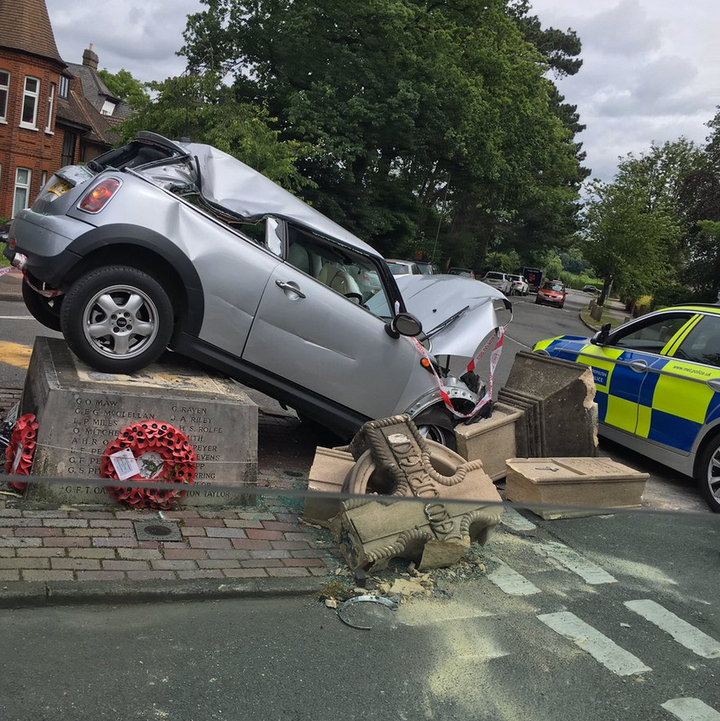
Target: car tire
436 424
117 319
707 473
44 310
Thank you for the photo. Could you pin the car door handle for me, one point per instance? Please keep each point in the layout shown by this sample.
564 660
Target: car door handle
714 384
290 285
639 366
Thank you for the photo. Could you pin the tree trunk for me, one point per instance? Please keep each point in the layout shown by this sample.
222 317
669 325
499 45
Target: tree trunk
607 284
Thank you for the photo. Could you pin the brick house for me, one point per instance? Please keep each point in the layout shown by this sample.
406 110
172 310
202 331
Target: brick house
52 113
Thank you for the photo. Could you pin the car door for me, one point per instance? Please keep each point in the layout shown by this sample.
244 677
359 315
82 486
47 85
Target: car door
627 368
313 330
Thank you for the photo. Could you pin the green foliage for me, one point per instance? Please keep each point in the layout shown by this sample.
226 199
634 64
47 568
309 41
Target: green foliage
579 281
202 108
504 262
125 87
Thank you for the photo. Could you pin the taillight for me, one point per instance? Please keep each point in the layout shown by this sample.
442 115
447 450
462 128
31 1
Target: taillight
12 243
99 196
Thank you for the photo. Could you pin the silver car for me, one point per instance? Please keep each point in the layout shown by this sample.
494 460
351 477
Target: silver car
160 244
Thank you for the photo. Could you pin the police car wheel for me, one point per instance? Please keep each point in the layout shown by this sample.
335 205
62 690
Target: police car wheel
707 473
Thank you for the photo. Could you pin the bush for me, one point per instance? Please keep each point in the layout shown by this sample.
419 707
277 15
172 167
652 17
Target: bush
577 282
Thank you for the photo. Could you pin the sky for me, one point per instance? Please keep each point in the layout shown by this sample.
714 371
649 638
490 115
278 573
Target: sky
649 66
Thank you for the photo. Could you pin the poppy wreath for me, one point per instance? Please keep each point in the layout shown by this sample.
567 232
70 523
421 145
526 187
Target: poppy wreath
164 455
24 433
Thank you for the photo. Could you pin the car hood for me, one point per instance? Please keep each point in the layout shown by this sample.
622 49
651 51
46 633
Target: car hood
471 306
229 183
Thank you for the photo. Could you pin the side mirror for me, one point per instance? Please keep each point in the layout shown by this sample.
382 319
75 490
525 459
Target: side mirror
601 336
403 324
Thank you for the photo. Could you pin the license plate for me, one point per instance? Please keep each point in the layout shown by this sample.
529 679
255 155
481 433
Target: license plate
59 187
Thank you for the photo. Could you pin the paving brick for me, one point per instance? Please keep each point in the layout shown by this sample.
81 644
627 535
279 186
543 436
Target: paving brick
206 522
290 545
8 532
319 571
9 576
174 545
92 515
181 514
290 562
245 572
270 554
242 523
246 544
231 554
113 523
125 565
135 515
139 554
65 523
256 516
185 554
124 532
100 575
262 563
263 535
91 553
218 514
67 542
19 542
7 563
173 565
122 542
280 526
45 514
7 552
227 563
21 522
192 531
32 575
40 552
226 533
10 513
34 532
196 542
300 536
148 544
287 517
207 573
76 564
287 572
309 554
86 531
151 575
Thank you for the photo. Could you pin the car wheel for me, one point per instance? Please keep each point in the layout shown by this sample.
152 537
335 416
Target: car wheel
707 473
44 310
436 424
117 319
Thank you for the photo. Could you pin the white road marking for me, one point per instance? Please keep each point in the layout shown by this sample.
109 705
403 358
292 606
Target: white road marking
529 347
590 572
510 581
16 317
685 634
599 646
691 709
517 521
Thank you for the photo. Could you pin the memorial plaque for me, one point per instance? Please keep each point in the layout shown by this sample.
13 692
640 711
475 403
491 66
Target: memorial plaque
80 411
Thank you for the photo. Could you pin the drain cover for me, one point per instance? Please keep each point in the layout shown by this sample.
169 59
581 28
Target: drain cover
157 530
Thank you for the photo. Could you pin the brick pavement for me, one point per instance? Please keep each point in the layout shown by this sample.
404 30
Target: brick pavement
83 545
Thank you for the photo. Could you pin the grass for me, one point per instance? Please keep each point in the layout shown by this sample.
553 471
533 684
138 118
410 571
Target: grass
606 318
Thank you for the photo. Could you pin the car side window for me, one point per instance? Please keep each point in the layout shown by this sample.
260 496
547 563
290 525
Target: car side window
344 271
702 344
652 335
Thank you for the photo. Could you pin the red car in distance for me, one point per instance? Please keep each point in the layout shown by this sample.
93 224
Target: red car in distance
552 292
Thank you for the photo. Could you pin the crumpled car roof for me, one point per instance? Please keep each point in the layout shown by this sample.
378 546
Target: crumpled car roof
228 183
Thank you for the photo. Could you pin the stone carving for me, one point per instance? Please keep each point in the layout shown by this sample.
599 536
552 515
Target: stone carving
392 459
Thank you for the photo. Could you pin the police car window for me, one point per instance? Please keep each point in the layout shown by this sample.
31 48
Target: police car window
652 335
702 344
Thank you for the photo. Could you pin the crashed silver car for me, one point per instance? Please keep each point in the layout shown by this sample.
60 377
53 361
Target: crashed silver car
161 245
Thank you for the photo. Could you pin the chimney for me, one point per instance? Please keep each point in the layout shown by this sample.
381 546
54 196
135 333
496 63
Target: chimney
90 58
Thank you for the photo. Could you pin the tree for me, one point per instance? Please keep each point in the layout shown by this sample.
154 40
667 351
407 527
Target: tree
125 87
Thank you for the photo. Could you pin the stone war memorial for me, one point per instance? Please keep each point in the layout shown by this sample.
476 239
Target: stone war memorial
80 411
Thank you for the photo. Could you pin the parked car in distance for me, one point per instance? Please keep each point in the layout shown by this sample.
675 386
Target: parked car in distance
518 285
590 289
657 382
552 292
427 267
159 244
498 280
403 267
462 272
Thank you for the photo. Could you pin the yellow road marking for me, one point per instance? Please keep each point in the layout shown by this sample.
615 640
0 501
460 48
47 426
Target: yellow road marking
15 354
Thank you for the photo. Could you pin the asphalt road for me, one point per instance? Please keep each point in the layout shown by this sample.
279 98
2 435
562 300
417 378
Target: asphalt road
610 635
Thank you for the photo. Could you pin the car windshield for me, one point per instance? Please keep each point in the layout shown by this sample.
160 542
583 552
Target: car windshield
399 268
557 287
494 276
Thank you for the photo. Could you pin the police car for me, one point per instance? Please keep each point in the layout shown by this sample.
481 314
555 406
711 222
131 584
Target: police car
658 387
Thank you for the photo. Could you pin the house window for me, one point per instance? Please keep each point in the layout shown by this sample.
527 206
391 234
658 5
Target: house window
51 103
108 108
4 89
43 179
68 149
21 198
30 103
63 87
